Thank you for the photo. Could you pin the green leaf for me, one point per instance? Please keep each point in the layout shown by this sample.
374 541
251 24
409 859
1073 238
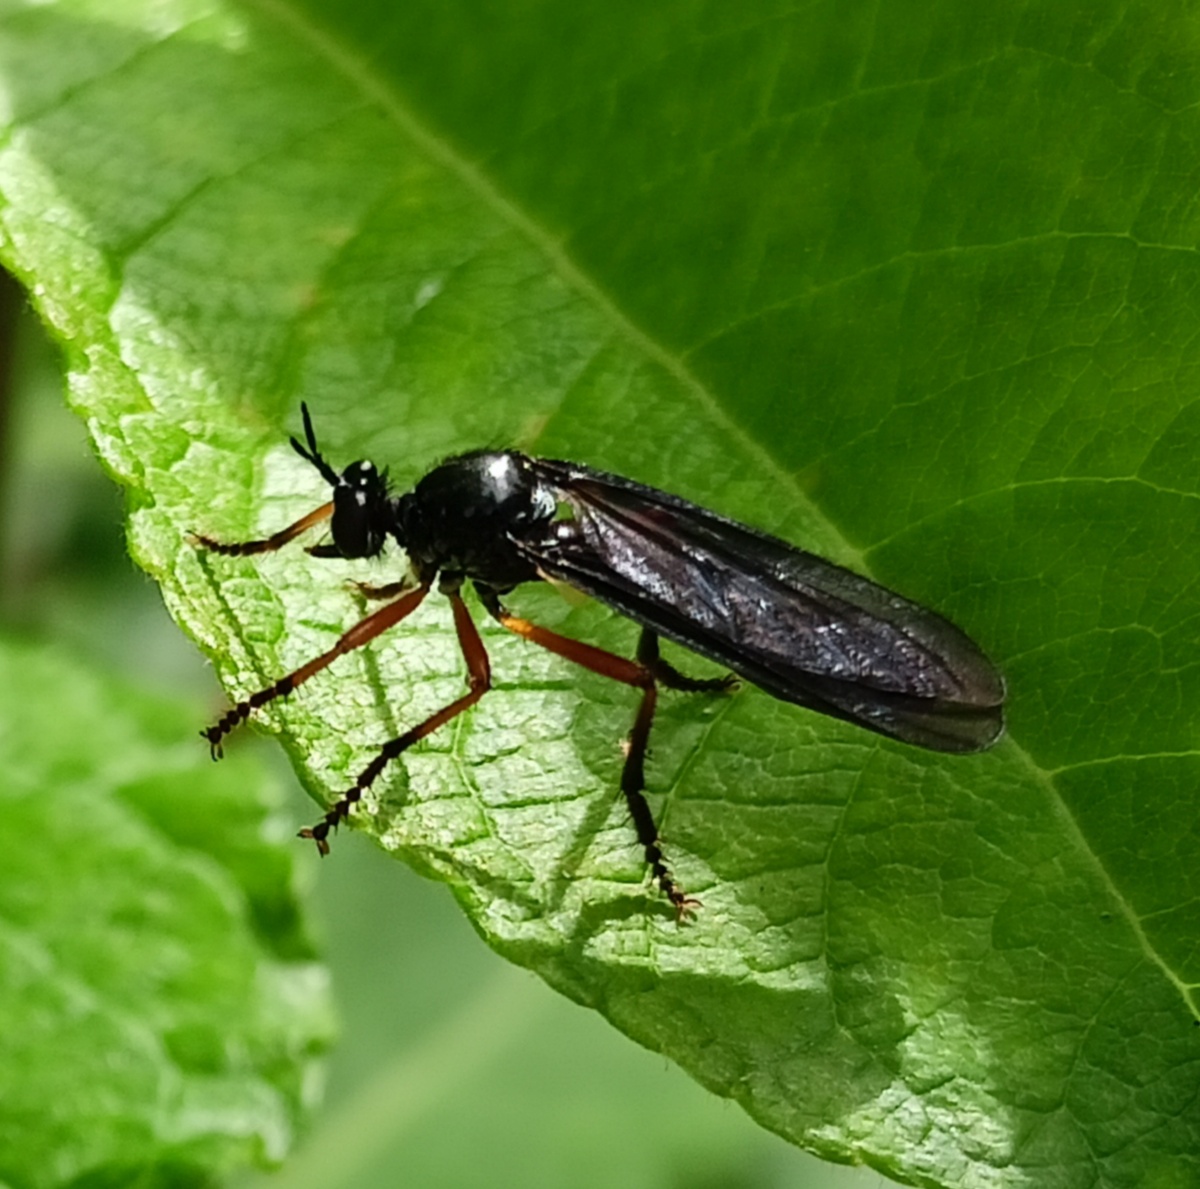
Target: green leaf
912 285
161 1007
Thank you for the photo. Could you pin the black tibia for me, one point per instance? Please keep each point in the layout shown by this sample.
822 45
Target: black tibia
266 544
362 632
640 676
671 677
633 780
479 680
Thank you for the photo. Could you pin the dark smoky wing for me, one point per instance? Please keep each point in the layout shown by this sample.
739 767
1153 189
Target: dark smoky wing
800 627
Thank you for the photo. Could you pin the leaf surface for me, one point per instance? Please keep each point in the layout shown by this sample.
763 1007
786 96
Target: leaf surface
911 286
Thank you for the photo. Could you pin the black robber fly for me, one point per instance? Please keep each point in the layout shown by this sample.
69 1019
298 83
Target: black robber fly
795 625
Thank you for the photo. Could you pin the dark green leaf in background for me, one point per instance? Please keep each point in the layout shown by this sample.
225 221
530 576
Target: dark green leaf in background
161 1009
913 285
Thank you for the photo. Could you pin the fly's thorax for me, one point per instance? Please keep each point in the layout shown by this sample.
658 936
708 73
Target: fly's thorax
465 515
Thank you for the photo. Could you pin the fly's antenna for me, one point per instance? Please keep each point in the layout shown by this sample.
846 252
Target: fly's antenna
313 453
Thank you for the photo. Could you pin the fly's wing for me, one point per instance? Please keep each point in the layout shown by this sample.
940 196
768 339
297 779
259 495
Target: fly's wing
798 626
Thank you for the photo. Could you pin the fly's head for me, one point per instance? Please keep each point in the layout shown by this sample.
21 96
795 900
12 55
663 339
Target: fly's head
362 512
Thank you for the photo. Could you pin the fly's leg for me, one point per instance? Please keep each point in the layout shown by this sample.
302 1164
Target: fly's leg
633 781
362 632
265 544
666 673
390 591
479 680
